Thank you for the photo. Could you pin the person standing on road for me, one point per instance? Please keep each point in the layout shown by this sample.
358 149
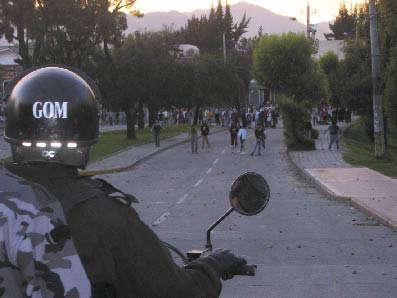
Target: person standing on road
264 136
156 128
193 137
233 135
242 134
121 255
334 131
204 135
258 139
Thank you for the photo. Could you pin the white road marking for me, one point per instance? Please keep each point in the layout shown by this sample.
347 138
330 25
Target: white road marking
198 183
209 171
182 199
161 218
216 161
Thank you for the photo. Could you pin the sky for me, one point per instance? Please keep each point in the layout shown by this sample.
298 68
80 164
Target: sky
326 10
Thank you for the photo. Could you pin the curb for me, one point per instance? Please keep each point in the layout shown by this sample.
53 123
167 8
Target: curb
330 195
139 161
320 187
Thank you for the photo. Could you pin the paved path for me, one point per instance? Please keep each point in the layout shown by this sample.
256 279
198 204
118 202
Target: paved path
322 157
372 191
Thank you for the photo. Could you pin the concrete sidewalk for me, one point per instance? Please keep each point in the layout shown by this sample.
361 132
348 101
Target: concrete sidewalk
370 190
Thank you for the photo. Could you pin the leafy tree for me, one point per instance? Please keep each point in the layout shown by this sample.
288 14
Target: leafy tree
344 25
17 18
62 31
388 49
207 32
356 82
284 63
330 65
142 74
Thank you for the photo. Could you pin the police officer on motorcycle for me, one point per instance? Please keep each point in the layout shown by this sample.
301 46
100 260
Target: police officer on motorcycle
51 124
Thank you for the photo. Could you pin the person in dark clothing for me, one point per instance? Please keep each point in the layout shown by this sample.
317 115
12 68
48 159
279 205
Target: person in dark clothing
334 131
233 135
259 135
217 117
120 254
156 128
117 118
205 130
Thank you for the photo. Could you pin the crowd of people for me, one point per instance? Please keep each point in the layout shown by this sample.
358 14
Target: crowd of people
238 122
258 119
325 114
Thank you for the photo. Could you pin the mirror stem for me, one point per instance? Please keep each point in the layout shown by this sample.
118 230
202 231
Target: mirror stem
208 244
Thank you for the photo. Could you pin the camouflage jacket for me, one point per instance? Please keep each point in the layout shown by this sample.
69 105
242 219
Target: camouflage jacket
37 256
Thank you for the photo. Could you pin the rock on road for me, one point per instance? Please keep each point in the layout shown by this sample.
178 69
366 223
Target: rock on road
304 244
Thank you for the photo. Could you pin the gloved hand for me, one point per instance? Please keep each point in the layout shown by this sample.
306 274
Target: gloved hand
222 261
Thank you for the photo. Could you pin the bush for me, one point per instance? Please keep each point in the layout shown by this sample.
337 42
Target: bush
299 142
315 134
294 116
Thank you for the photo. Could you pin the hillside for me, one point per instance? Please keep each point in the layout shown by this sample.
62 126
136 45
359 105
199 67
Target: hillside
260 16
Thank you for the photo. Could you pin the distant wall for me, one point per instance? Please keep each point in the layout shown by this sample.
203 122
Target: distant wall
335 46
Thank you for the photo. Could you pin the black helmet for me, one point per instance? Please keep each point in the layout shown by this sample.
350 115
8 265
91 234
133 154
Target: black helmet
52 116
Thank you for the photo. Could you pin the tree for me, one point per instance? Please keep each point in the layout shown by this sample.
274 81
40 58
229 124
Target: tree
284 63
388 49
17 20
207 32
344 25
330 66
63 31
143 73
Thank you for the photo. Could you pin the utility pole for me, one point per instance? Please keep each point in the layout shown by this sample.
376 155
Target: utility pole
308 20
308 26
356 39
379 133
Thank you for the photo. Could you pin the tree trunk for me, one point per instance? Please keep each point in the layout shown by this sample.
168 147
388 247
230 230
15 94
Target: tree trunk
23 47
141 117
131 120
106 50
152 116
196 114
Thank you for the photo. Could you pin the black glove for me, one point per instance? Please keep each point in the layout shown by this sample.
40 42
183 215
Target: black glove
222 261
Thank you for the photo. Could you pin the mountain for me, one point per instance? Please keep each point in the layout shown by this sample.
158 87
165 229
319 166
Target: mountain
260 16
155 21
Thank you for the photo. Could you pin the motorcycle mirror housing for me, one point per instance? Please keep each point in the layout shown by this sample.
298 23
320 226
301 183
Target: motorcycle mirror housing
249 194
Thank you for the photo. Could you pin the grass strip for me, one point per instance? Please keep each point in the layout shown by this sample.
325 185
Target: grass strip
115 141
361 150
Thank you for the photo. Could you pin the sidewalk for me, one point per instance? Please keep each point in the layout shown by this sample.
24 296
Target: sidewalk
132 156
370 190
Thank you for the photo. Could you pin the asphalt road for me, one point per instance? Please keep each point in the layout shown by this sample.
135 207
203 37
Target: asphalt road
304 244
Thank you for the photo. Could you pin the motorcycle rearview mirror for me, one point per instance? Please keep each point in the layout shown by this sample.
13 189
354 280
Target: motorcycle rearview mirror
249 194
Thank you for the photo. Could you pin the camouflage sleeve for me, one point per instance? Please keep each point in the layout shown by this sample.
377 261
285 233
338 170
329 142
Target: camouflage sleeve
37 255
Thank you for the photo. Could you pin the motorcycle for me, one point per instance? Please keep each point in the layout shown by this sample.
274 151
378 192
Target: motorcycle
249 195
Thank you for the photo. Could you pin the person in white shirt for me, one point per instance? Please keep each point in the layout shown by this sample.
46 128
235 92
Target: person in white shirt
242 134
